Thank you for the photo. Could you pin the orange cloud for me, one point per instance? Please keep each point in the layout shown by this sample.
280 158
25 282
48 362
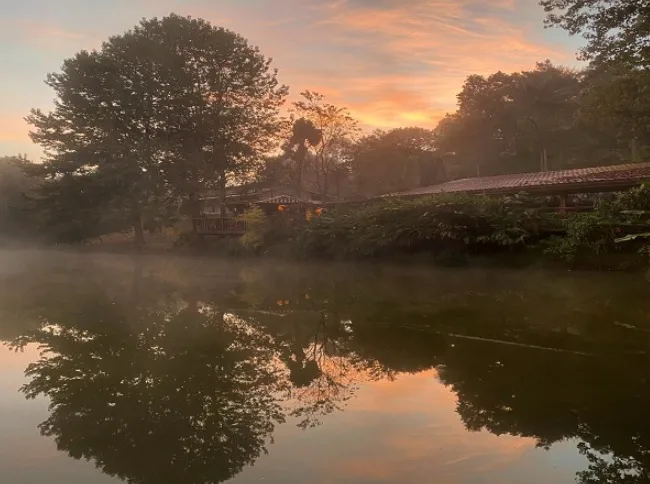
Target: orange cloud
386 105
393 62
404 62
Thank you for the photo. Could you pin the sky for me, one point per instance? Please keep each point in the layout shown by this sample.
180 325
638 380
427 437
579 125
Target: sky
391 62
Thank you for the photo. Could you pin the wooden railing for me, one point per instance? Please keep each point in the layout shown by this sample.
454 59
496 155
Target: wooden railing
219 226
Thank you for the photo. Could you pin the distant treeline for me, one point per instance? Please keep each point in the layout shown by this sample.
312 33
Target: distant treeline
176 108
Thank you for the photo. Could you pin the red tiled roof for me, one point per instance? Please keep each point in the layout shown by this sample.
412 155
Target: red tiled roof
592 178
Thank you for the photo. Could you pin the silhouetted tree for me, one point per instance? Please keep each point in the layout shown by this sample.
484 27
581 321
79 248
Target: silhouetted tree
160 111
304 135
615 30
396 160
335 127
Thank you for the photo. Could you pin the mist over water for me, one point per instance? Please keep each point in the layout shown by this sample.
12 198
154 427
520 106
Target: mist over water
193 369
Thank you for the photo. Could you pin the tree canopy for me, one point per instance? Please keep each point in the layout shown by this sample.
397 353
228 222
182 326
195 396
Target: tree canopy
163 111
330 143
524 121
396 160
615 30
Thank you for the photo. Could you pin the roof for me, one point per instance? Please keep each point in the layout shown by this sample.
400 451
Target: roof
259 194
588 179
283 199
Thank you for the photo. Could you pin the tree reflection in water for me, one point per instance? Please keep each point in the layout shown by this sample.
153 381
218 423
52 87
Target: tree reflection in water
170 377
157 391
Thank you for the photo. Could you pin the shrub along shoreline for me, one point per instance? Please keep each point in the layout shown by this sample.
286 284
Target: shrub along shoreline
452 228
445 229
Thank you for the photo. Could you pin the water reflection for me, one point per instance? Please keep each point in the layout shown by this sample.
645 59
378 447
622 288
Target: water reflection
180 371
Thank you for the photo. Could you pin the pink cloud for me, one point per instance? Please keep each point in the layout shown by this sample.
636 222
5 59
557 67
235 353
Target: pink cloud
392 62
402 63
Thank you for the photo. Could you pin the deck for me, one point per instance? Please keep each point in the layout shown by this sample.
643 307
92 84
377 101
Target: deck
219 226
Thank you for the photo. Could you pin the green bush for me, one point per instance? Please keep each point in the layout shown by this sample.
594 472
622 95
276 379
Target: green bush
596 233
586 234
258 227
442 224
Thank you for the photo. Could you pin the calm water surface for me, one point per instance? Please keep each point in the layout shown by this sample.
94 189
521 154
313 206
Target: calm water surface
196 371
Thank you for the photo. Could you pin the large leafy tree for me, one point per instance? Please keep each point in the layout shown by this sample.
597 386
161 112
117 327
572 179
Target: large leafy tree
480 130
396 160
616 100
545 104
103 125
304 135
226 114
164 110
519 122
615 91
336 130
615 30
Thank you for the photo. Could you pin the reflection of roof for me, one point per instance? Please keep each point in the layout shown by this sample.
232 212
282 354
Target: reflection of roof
588 179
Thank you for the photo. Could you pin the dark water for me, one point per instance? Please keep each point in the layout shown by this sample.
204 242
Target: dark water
195 371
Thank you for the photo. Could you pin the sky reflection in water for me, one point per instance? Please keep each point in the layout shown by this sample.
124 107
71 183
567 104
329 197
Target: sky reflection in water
191 370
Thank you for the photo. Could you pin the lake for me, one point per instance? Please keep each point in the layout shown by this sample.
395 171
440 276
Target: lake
156 370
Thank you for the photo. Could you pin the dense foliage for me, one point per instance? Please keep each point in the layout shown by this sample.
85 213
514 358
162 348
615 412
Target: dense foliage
166 110
439 225
524 122
615 30
589 235
396 160
258 227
